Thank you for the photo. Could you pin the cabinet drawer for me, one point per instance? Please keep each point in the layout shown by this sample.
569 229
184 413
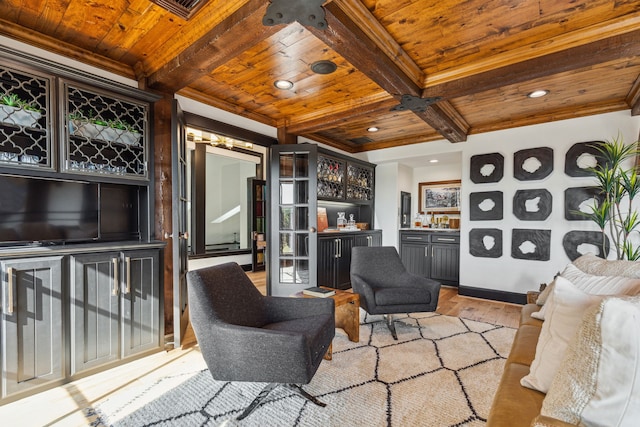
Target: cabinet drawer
417 237
445 238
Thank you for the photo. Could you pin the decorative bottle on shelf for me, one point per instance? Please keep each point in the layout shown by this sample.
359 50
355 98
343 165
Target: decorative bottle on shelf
351 224
417 220
342 221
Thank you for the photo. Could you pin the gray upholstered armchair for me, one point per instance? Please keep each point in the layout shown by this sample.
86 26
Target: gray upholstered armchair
386 287
245 336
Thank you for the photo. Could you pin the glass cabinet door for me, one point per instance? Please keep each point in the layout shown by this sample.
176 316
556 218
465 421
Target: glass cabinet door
293 220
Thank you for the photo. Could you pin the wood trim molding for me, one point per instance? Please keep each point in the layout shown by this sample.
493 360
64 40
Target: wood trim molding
557 44
583 56
50 44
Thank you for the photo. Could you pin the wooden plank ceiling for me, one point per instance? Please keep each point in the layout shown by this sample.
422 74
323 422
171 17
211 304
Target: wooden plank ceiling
474 60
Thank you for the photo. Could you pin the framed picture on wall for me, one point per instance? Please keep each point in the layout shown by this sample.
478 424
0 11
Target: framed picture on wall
439 196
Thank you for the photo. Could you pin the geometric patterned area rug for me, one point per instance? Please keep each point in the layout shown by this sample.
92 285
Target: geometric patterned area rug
442 371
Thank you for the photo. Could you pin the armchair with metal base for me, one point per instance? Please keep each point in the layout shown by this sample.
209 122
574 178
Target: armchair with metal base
386 287
245 336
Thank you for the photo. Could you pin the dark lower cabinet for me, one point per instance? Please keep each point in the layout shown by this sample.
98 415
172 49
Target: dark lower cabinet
32 323
98 306
141 302
432 254
95 310
334 255
115 307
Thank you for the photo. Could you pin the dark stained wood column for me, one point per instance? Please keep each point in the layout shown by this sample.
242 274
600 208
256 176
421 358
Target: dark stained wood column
164 204
286 138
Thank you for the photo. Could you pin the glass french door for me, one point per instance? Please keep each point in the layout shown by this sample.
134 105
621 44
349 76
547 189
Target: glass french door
293 221
179 235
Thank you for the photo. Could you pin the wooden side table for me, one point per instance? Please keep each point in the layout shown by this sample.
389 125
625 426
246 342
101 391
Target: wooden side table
347 314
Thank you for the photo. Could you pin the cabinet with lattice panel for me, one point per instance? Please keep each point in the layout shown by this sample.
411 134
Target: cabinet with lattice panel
25 120
104 133
331 177
344 179
359 182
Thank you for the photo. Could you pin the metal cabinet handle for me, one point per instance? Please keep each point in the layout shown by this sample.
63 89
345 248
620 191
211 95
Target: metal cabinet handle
10 291
114 290
426 251
446 239
127 261
412 238
336 246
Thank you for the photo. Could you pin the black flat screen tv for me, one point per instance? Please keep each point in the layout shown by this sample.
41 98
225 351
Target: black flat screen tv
35 210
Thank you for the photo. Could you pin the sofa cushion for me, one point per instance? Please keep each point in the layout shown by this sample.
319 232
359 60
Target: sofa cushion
526 315
565 308
514 405
524 343
598 382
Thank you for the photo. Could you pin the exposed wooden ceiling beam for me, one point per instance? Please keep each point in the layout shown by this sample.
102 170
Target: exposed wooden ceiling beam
625 45
227 40
347 38
633 98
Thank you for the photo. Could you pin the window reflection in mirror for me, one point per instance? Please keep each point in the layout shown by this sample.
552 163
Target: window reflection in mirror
221 223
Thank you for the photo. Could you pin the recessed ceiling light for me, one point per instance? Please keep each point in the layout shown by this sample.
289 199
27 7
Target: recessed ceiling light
538 93
433 161
373 129
283 84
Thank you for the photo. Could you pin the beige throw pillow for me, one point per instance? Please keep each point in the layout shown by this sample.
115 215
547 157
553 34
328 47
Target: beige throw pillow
589 263
565 308
598 382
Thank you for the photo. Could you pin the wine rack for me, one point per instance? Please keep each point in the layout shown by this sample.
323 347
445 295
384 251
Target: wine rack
330 177
359 183
344 180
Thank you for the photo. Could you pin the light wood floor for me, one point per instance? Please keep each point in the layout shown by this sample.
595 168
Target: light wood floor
64 405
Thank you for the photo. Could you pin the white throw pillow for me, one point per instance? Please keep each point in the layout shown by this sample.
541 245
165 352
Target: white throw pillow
598 382
565 308
595 285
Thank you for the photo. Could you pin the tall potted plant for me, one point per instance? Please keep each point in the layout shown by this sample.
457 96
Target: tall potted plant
619 186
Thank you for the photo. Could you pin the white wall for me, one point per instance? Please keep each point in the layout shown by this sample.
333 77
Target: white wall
517 275
506 273
387 201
